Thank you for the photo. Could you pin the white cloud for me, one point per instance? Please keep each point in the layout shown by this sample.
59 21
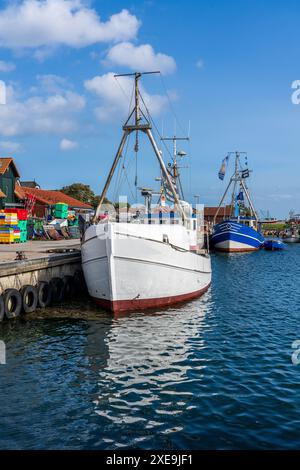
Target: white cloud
11 147
66 144
42 53
2 92
199 64
141 58
50 23
6 66
52 83
115 97
50 114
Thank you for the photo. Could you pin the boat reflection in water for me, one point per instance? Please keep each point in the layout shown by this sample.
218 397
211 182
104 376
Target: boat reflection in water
150 380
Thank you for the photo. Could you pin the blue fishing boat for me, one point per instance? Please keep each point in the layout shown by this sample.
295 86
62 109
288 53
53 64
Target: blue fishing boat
273 245
240 231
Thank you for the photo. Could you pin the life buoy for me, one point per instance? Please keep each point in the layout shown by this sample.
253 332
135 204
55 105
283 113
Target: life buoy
69 289
44 293
1 308
12 303
58 289
29 298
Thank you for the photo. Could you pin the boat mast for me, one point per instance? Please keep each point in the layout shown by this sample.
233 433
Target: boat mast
143 127
235 178
249 200
245 189
222 200
110 174
175 166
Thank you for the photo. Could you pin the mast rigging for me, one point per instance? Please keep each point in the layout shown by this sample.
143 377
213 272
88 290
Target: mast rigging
141 123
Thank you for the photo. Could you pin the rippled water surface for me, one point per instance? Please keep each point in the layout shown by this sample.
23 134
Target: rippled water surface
213 374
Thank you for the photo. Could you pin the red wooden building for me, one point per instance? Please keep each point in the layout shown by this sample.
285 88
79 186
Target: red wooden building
45 200
210 212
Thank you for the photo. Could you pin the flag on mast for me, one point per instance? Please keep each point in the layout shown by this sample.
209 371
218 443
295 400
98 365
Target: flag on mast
222 170
240 196
245 173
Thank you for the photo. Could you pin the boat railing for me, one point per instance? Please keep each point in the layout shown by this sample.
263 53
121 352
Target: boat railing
153 219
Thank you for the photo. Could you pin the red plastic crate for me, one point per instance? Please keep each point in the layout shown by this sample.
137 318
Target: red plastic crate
22 214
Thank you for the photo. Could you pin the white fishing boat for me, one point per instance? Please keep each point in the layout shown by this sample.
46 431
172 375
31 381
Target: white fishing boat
139 260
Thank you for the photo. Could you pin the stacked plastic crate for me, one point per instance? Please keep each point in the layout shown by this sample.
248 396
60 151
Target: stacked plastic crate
61 210
23 216
17 233
20 227
9 232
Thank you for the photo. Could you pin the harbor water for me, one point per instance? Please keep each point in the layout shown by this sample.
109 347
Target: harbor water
216 373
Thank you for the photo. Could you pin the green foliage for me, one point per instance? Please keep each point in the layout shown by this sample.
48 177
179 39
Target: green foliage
280 226
79 191
97 200
83 193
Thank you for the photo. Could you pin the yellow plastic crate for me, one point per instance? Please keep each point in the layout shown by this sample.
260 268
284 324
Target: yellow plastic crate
7 240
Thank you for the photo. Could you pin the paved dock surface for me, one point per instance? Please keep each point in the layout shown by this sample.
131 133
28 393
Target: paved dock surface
35 249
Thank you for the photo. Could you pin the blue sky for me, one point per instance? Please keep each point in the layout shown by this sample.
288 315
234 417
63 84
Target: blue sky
228 68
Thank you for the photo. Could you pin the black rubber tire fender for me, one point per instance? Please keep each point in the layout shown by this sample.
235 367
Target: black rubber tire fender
12 303
29 298
44 293
79 282
58 289
69 287
2 313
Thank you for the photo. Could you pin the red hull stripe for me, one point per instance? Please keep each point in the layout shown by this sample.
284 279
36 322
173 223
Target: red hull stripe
236 250
119 306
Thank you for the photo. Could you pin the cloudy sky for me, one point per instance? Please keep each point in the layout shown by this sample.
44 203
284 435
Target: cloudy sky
227 68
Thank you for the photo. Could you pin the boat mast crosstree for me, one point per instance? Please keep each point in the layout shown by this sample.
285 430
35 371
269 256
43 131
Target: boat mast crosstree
174 164
146 262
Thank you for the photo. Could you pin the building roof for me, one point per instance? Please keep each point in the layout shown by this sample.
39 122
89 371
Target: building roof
30 184
2 194
4 164
19 191
50 197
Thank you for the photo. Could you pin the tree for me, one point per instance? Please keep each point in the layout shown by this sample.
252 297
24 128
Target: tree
82 192
97 200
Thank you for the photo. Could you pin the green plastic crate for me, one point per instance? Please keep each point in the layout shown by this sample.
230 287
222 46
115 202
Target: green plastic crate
60 206
22 225
60 211
23 236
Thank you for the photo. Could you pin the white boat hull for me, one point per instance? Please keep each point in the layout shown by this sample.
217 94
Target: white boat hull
232 246
138 270
291 240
